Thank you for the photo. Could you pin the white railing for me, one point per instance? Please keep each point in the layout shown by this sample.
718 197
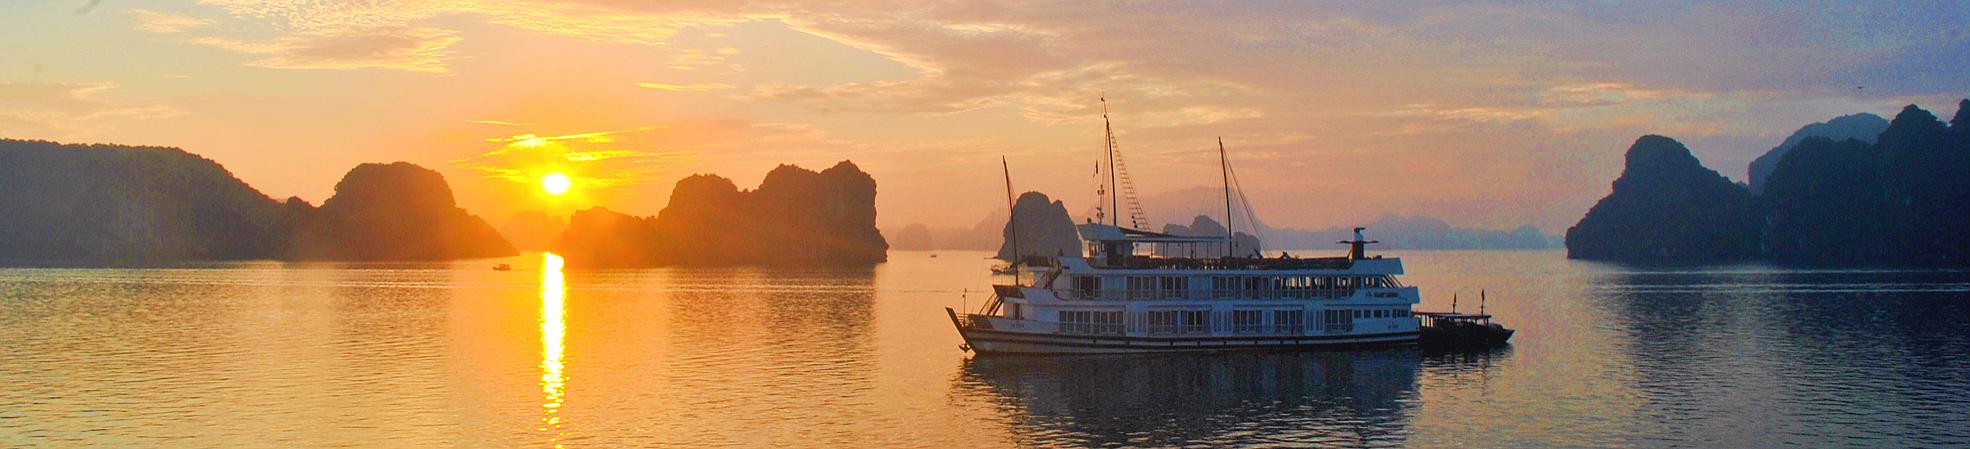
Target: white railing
1269 329
1160 294
1187 329
1091 329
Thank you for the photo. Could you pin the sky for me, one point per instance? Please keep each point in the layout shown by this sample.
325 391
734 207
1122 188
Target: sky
1482 114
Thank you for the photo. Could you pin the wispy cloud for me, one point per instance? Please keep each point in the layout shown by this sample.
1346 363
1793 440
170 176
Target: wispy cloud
693 87
164 22
698 59
400 48
68 109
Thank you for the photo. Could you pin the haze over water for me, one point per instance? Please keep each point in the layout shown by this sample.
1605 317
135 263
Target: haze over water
457 355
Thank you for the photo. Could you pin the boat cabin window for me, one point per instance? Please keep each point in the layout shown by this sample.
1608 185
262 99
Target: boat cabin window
1196 321
1288 321
1173 286
1257 284
1012 311
1087 286
1248 321
1224 287
1161 321
1142 287
1337 320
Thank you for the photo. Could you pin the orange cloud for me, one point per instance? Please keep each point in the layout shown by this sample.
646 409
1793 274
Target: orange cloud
165 23
694 87
57 110
402 48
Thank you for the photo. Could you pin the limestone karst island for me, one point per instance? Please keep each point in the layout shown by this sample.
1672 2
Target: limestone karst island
1045 224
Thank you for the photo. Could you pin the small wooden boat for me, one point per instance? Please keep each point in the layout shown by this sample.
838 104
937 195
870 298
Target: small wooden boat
502 267
1461 330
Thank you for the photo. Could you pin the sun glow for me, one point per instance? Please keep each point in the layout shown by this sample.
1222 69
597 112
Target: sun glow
556 184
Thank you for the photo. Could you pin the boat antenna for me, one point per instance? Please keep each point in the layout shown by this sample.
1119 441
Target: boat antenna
1224 171
1453 302
1481 300
1012 222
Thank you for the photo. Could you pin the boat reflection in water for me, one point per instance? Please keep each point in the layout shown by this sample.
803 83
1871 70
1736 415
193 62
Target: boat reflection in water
1349 398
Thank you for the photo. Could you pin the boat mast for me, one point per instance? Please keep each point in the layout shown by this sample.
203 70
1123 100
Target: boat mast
1119 184
1108 145
1224 171
1013 221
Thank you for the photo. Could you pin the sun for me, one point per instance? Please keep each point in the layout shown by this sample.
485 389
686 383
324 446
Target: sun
555 184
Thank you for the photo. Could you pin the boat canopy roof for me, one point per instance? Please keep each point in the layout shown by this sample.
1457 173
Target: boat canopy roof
1098 232
1453 315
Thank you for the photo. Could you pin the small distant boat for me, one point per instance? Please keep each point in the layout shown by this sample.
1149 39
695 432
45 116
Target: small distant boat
502 267
933 256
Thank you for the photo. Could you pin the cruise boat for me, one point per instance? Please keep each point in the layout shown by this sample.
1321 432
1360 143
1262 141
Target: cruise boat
1116 299
1132 291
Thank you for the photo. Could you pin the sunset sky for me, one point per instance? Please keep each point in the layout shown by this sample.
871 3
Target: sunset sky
1487 116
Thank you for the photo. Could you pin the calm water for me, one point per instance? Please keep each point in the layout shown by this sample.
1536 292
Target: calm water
457 355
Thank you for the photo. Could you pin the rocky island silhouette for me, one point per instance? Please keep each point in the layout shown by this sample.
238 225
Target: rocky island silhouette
1898 198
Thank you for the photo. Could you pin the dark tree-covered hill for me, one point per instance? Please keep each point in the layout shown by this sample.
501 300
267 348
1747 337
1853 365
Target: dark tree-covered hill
1043 227
123 205
93 205
393 212
1862 126
796 216
1826 204
1667 208
1901 198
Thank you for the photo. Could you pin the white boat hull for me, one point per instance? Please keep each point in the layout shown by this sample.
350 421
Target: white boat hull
991 341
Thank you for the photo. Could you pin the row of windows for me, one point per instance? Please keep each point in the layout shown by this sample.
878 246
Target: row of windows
1238 317
1091 322
1356 314
1144 287
1181 322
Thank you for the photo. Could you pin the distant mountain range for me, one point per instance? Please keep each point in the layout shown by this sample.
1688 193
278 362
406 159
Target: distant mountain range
1898 198
1394 231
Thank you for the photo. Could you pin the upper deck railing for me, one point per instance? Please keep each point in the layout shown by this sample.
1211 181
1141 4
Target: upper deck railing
1224 263
1231 294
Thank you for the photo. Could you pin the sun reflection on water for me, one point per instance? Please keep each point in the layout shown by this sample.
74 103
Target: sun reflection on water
553 329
